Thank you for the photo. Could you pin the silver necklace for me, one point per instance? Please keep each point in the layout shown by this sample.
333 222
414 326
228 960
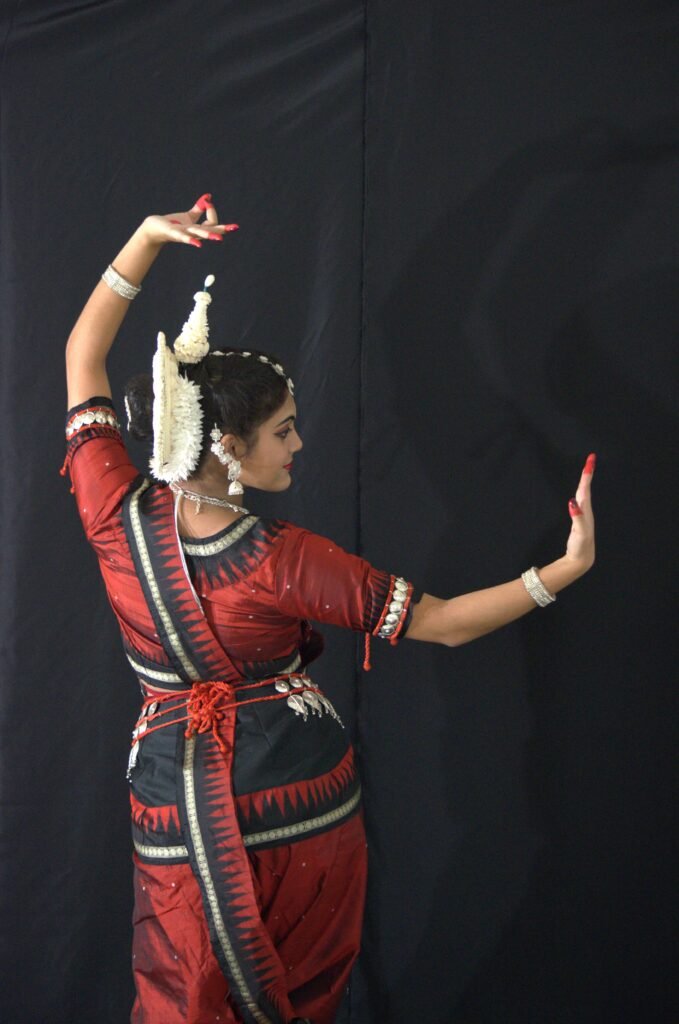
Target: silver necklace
206 499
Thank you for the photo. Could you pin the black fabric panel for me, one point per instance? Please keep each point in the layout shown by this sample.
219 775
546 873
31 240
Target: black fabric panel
111 111
520 311
465 247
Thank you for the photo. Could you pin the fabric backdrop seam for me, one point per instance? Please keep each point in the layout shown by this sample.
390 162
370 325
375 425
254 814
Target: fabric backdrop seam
358 673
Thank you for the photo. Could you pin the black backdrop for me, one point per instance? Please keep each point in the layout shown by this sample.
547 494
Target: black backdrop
458 228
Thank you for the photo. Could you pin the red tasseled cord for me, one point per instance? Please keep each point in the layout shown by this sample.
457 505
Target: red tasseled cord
203 712
64 469
366 660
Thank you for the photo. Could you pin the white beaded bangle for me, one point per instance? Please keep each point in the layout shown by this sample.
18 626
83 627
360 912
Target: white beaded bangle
119 284
536 588
397 602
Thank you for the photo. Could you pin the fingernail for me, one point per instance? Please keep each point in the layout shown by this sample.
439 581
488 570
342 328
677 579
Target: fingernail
215 238
230 227
591 463
204 201
174 221
197 243
574 508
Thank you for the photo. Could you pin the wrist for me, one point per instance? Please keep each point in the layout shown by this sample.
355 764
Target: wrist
137 256
561 573
144 237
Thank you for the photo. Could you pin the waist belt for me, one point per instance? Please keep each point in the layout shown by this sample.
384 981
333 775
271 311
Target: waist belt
206 704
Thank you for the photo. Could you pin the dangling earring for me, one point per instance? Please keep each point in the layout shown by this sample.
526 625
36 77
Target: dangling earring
226 459
235 487
217 447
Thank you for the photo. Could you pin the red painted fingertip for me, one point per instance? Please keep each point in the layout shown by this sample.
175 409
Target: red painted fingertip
174 221
216 238
204 201
196 242
574 508
590 464
230 227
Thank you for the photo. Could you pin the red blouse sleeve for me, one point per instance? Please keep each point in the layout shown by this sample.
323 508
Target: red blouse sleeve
99 465
317 579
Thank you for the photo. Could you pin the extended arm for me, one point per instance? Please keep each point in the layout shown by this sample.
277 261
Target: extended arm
464 618
98 324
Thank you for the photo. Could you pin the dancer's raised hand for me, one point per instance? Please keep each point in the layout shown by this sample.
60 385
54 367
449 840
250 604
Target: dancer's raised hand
580 546
187 227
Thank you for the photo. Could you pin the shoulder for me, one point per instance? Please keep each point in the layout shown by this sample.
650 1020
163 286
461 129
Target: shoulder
292 536
98 462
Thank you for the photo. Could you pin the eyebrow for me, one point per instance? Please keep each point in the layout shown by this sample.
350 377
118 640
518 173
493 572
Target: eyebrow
285 420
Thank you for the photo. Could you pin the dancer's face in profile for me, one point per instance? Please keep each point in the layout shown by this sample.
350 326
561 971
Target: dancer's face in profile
267 464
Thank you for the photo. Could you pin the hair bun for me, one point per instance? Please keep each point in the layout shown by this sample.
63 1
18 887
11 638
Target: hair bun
139 406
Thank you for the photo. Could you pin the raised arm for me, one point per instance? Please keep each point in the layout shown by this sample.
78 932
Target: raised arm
97 326
464 618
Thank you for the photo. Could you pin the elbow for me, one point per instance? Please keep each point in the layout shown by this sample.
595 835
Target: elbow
458 637
70 349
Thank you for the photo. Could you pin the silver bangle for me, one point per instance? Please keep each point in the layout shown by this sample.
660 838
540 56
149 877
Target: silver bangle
536 588
119 285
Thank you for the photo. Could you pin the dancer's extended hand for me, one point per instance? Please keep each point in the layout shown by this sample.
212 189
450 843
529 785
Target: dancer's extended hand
187 227
580 546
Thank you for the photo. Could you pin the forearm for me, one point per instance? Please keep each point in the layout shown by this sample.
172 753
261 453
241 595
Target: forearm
461 619
97 326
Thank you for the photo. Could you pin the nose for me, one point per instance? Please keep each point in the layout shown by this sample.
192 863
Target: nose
297 445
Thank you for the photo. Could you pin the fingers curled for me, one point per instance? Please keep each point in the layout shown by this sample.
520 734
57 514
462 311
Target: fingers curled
211 214
203 202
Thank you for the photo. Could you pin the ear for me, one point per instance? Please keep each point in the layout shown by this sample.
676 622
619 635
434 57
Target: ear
234 445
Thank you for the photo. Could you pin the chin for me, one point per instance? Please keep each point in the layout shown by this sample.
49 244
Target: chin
273 487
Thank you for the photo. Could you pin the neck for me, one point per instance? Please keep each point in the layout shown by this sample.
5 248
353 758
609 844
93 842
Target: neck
213 484
201 519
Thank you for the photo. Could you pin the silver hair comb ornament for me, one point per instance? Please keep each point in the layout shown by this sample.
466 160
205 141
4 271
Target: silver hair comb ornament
263 359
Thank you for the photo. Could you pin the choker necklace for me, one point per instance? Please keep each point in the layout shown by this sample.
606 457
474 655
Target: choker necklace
206 499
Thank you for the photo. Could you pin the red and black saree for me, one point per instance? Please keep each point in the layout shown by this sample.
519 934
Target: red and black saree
249 849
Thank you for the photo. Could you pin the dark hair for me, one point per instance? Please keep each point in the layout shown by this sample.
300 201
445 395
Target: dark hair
238 394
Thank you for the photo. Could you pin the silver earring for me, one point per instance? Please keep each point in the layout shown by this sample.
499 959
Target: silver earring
235 487
226 459
218 448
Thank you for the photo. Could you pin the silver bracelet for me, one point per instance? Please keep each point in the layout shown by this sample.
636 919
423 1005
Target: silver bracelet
536 588
119 285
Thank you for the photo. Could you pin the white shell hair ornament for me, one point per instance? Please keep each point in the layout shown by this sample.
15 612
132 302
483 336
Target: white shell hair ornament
177 412
269 362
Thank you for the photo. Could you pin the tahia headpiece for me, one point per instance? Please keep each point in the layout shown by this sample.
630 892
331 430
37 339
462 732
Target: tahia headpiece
177 411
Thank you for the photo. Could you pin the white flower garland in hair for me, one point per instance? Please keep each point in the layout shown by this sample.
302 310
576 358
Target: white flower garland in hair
177 411
192 345
177 418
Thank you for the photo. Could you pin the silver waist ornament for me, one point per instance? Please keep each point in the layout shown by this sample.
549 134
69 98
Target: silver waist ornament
306 699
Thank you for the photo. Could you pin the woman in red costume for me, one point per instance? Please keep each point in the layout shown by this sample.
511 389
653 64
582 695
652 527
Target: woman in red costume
249 850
